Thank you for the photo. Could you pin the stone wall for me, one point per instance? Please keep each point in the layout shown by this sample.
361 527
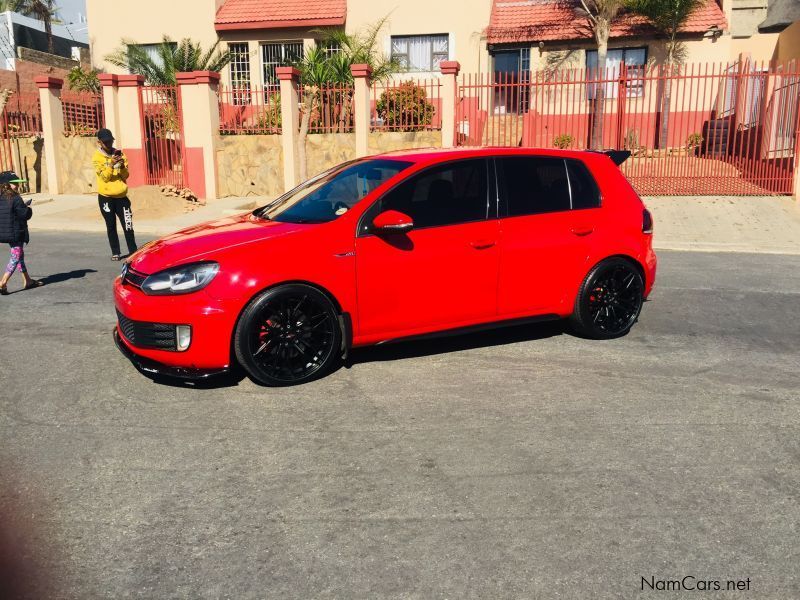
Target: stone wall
326 150
75 166
250 165
388 141
25 155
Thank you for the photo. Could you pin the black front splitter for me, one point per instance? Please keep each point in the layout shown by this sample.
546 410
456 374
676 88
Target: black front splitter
152 367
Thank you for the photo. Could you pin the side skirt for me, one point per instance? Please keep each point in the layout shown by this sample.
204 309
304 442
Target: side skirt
472 329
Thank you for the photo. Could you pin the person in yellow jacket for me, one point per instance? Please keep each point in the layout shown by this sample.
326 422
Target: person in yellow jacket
111 167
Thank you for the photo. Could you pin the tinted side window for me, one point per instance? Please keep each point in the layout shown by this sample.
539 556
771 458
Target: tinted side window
446 195
533 184
585 193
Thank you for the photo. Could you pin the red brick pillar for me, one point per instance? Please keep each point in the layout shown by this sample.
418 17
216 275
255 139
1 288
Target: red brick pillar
200 110
450 70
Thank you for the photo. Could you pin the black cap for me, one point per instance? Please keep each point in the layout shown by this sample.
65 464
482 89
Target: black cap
105 135
10 177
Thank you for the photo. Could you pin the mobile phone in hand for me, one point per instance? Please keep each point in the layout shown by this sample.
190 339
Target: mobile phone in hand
28 202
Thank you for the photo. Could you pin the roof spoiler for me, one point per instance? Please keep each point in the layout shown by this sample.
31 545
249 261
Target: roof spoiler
618 156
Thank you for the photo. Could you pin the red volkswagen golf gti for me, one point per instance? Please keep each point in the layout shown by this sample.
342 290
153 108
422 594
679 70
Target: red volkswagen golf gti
388 247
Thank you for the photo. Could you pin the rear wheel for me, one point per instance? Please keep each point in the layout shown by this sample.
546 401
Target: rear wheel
609 301
288 335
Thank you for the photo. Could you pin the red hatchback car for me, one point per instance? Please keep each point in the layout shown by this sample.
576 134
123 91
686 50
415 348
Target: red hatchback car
388 247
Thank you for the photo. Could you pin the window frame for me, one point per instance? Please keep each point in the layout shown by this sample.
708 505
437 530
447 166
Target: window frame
502 188
634 85
432 55
262 45
241 88
364 227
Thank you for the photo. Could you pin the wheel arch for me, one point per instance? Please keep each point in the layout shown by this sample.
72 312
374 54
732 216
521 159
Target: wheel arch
631 259
592 264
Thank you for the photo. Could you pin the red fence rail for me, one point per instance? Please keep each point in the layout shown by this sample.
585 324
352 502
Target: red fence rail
162 133
249 110
412 105
83 112
705 129
22 115
331 108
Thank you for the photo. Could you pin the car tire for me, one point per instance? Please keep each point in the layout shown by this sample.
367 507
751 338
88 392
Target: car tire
288 335
609 301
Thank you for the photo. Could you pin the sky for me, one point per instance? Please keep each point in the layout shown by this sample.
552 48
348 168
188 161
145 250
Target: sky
69 9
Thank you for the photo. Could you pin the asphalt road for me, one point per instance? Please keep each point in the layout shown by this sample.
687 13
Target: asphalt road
525 463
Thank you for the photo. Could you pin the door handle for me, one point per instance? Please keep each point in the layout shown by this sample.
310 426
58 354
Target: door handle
482 244
581 231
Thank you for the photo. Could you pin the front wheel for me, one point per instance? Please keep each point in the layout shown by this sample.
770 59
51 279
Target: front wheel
288 335
609 301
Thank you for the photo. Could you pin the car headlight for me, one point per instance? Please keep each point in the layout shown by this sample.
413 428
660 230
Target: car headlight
180 280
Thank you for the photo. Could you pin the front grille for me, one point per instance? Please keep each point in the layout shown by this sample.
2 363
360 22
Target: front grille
134 278
160 336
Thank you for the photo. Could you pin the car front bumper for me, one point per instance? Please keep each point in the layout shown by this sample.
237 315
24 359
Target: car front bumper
153 367
211 321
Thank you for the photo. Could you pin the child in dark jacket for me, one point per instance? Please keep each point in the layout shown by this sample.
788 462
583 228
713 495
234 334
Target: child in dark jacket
14 215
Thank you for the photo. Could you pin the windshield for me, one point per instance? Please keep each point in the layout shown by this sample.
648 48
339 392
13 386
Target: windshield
331 194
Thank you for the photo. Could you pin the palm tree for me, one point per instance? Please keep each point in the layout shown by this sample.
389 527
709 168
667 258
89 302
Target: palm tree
10 5
668 17
601 15
171 58
321 67
42 10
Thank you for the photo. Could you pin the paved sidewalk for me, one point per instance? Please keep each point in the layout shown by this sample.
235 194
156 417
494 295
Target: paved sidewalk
733 224
769 224
79 212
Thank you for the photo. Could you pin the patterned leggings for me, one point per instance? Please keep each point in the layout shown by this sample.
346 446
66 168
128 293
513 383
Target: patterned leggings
17 260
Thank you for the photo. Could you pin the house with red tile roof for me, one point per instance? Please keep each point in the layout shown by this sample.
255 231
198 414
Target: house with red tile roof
485 36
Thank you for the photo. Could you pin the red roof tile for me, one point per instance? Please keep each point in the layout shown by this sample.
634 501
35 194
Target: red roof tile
555 20
270 14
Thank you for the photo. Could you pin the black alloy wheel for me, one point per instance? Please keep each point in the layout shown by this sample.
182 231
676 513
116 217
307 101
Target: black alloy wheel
288 335
610 300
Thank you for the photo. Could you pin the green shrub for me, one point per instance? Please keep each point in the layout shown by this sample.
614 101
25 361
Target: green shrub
270 117
405 107
563 141
694 140
632 140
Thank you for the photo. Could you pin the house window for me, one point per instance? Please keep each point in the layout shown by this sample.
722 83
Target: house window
240 72
240 65
278 54
420 52
153 52
635 59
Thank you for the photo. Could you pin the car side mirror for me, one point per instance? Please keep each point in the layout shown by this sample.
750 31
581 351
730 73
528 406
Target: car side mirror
392 221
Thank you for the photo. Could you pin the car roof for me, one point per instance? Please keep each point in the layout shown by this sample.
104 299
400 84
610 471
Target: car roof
424 155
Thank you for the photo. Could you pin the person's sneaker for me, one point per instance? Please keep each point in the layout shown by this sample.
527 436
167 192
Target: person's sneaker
115 257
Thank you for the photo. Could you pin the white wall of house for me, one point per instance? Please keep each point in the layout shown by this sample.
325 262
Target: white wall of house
462 21
146 22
